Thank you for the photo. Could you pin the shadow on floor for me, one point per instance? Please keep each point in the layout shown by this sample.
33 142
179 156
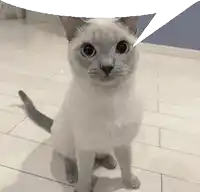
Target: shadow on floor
37 164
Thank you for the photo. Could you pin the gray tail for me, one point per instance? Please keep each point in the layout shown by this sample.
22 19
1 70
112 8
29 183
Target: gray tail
36 116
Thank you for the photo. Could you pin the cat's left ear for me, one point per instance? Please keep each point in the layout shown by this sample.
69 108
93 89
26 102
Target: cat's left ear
71 25
130 23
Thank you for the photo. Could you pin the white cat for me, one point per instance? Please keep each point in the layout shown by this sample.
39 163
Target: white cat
100 112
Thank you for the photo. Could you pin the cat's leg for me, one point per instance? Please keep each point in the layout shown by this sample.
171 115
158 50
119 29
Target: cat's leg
85 170
124 158
105 160
71 170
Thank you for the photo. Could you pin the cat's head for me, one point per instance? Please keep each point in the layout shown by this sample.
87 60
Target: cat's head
101 50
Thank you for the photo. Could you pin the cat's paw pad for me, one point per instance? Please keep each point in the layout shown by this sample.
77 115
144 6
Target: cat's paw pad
133 183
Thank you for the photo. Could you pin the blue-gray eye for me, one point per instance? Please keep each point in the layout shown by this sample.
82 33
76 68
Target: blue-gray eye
88 50
122 47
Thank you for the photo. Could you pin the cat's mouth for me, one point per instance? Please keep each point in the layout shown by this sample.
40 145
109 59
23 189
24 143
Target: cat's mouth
106 78
103 78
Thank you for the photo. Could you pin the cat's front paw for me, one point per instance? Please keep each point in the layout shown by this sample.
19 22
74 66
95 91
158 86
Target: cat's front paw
132 183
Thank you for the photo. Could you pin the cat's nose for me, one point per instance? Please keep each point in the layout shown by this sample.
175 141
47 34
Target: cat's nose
107 69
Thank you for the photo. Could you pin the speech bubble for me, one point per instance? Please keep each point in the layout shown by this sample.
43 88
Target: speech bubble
165 10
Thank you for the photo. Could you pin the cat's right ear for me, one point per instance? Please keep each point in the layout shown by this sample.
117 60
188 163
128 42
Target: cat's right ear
130 23
71 25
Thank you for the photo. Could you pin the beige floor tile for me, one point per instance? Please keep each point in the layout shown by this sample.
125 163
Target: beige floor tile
15 181
179 93
29 130
179 81
62 78
190 110
148 135
14 151
46 96
167 162
9 103
10 88
147 90
172 123
175 185
178 65
150 105
148 63
9 121
179 89
31 157
183 142
111 181
26 80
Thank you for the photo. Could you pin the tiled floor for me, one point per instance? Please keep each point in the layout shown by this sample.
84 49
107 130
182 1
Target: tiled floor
167 150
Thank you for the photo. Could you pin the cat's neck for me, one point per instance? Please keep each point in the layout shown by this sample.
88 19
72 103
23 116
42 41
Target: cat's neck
93 97
96 90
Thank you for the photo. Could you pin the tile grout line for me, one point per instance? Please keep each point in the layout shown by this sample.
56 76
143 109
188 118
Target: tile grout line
171 130
16 125
170 176
168 149
181 152
158 107
159 139
35 175
158 91
161 182
26 139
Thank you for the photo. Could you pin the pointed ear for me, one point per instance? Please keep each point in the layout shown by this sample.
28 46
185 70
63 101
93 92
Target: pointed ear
71 25
130 23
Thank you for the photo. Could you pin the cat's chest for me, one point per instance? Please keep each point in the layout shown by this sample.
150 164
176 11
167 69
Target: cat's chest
97 109
105 124
104 131
100 121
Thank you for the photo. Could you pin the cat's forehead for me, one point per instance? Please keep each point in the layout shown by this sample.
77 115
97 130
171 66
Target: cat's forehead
104 30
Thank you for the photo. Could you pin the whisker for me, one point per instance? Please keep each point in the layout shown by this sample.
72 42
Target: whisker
118 71
119 75
93 71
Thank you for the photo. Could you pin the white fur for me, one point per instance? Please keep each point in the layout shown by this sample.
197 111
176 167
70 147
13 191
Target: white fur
92 118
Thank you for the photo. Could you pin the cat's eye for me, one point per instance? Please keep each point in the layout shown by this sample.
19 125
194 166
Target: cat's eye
88 50
122 47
